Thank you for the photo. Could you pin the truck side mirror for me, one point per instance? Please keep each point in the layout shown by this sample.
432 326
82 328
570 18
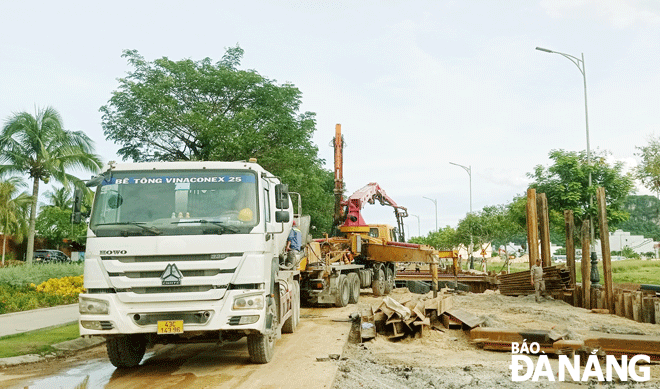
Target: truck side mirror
281 196
77 204
282 216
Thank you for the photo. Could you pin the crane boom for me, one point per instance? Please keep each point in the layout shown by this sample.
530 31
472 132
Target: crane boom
371 193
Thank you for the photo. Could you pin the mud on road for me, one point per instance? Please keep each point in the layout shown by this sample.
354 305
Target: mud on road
320 332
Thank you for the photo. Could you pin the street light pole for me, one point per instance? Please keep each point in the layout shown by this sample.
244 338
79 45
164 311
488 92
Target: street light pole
579 62
468 169
419 230
435 202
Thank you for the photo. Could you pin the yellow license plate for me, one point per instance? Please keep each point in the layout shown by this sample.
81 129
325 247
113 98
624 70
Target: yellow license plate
170 327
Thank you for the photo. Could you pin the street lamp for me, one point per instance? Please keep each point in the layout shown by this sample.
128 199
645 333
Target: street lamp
468 169
435 202
419 231
579 62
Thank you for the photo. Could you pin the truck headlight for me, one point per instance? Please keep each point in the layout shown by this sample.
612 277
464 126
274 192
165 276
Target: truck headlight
255 301
91 306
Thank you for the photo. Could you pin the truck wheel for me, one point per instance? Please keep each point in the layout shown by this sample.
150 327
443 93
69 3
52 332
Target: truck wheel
126 350
291 323
378 283
343 291
389 280
261 347
354 288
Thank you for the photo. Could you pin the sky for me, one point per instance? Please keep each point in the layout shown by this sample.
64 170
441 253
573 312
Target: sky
414 84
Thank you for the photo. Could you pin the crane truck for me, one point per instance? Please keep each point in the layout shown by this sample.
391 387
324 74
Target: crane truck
181 252
360 255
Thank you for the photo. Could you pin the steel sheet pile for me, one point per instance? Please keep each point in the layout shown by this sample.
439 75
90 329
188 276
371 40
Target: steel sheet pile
409 318
557 278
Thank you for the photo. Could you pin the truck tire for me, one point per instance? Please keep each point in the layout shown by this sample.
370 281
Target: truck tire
354 288
389 280
365 278
378 283
261 347
126 350
343 291
291 323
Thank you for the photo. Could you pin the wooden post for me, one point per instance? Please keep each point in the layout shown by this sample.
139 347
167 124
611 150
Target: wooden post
637 306
656 302
628 303
648 310
586 281
570 250
544 229
532 227
433 267
605 246
619 304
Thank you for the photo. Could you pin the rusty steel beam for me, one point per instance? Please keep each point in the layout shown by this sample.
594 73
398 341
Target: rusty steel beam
630 345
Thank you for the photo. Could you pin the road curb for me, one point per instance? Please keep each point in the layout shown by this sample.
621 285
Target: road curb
65 347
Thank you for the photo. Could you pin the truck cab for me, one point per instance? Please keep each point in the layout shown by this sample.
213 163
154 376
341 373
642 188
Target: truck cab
183 252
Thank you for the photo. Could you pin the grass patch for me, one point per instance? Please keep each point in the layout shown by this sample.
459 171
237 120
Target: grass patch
628 271
37 342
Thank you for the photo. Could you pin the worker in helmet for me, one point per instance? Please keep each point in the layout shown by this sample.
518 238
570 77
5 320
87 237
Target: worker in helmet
293 245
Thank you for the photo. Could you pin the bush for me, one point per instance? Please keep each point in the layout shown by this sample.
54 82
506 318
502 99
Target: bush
15 299
24 275
24 287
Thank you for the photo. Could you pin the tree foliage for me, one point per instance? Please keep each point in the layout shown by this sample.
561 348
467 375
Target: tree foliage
39 146
648 171
54 224
166 110
14 207
644 216
493 224
443 239
566 185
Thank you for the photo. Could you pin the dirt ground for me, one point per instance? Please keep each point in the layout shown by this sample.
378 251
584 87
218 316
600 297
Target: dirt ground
447 359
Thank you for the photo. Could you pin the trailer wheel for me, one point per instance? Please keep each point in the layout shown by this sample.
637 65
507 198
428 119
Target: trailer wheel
378 283
126 350
389 280
354 288
343 291
291 323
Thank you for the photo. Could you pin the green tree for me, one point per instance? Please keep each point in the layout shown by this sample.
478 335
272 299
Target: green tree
648 171
644 216
443 239
59 197
200 110
566 186
13 211
493 224
40 147
54 224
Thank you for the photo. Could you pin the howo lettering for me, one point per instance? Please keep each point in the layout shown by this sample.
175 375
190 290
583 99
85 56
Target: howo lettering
188 252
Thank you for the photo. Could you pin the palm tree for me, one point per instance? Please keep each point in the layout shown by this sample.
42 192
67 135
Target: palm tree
40 147
13 211
59 198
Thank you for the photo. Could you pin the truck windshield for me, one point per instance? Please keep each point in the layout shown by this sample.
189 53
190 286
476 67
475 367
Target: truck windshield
175 203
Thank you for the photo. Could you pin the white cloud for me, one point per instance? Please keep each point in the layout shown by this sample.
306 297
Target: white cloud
619 13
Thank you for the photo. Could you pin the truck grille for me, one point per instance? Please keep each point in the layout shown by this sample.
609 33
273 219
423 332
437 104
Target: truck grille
171 258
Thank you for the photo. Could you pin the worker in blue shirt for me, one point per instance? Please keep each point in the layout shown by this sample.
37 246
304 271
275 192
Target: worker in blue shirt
293 245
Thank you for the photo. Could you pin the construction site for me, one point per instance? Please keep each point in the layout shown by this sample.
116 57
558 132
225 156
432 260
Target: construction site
449 327
377 312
